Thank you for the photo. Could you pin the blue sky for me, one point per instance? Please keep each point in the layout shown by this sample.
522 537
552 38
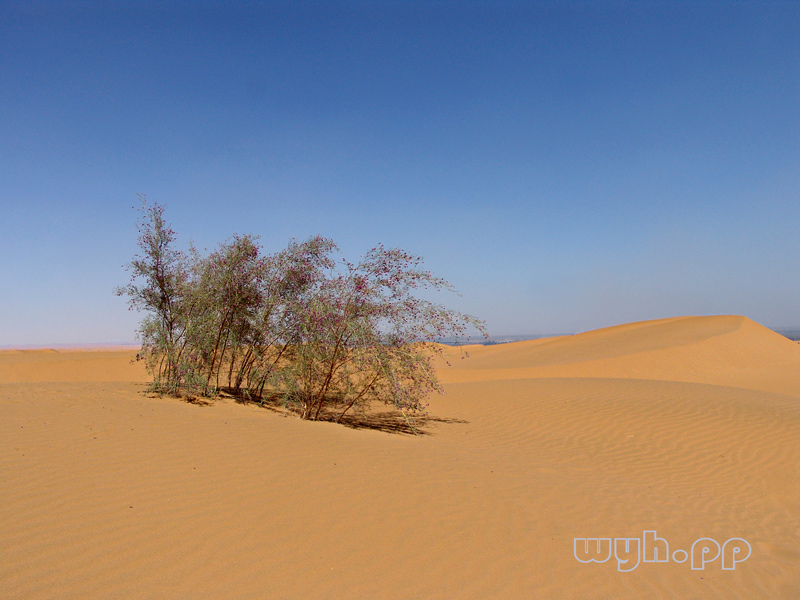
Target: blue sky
566 165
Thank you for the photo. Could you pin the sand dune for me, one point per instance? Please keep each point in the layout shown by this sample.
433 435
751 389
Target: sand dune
688 426
721 350
35 366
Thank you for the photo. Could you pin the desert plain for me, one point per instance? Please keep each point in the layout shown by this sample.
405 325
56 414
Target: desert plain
688 426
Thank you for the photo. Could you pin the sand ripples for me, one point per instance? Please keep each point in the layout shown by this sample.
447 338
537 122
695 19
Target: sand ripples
107 493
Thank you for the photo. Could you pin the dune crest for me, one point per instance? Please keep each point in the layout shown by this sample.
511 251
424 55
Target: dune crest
727 350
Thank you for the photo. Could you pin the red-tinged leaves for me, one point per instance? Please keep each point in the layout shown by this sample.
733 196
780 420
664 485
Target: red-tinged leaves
324 335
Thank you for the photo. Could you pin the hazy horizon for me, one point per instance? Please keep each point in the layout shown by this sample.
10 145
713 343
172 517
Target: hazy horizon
566 166
793 333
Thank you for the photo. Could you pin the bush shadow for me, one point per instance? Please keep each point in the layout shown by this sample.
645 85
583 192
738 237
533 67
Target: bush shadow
392 422
387 421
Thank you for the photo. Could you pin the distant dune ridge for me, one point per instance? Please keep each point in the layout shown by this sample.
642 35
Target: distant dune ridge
721 350
689 426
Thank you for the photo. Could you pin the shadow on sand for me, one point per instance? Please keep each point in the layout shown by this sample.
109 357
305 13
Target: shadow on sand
386 420
391 422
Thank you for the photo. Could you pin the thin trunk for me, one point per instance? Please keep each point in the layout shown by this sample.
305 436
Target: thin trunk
161 370
234 354
222 356
216 348
333 367
357 398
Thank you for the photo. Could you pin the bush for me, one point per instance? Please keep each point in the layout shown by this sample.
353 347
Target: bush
323 336
158 282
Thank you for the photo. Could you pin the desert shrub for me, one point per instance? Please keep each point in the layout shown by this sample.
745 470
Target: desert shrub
238 329
324 336
157 286
362 336
224 292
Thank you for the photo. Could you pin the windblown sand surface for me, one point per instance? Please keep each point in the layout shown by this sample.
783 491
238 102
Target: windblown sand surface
687 426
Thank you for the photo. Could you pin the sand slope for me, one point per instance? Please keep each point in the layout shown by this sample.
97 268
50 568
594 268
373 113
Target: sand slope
36 366
687 426
721 350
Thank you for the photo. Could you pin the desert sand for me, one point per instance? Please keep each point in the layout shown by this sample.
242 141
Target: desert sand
687 426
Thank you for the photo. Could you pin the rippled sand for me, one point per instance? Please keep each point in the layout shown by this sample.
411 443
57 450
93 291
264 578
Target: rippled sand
687 426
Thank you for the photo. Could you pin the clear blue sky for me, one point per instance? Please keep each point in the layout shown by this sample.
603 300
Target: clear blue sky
566 165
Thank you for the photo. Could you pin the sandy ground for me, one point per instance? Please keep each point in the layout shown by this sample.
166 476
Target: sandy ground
687 426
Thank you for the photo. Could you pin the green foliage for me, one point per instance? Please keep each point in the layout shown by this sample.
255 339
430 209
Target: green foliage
323 336
157 286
